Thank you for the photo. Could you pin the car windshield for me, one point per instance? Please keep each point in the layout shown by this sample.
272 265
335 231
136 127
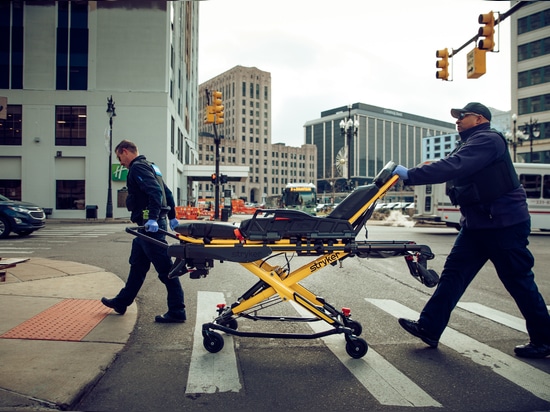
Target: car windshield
3 198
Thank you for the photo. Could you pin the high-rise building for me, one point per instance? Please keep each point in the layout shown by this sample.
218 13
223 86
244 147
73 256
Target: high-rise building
380 135
530 71
60 63
247 138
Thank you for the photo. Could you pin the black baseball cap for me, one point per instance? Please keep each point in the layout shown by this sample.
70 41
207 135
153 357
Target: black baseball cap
473 107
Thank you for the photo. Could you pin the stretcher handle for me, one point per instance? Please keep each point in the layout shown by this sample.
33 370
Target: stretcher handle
139 231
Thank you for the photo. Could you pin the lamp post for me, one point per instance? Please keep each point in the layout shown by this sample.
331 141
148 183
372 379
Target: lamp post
533 132
515 139
348 128
111 113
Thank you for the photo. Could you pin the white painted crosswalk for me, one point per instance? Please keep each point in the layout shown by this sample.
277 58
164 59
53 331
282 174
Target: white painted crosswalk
211 373
218 372
509 367
55 236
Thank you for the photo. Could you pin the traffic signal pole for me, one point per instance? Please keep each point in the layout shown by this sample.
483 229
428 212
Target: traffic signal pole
214 115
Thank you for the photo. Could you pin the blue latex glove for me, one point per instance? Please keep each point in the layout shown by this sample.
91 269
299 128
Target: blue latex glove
151 226
173 223
401 171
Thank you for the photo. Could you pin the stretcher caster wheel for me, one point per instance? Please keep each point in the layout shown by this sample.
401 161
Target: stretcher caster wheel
213 342
356 347
355 326
231 324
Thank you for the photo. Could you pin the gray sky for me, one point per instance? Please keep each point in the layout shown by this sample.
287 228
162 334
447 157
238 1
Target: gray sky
323 54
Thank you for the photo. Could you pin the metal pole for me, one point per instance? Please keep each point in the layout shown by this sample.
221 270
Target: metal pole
111 112
515 140
217 185
109 212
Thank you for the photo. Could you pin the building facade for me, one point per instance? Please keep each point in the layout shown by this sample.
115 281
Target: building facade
61 62
530 72
381 135
246 139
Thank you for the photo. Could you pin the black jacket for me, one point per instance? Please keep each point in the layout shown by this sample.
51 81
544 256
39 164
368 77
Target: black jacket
481 147
145 192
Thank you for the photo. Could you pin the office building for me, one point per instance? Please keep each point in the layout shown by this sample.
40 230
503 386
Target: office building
247 139
380 135
61 62
530 71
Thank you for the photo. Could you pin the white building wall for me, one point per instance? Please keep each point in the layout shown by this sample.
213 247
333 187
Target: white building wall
129 58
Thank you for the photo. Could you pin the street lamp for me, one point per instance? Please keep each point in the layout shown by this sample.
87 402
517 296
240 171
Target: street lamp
532 130
111 113
515 138
348 128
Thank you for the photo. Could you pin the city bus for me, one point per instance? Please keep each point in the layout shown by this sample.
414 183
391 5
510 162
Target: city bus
432 203
300 196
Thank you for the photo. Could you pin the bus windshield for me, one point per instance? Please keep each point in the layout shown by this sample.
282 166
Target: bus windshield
300 197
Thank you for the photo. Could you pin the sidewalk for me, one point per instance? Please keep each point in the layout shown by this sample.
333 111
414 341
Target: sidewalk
56 338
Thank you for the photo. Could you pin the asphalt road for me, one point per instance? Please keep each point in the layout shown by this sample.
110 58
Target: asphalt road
165 367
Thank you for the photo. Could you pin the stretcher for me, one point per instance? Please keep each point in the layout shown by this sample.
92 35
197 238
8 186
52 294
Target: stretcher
278 232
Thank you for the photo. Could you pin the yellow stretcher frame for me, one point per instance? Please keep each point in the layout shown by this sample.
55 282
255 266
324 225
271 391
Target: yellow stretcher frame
277 284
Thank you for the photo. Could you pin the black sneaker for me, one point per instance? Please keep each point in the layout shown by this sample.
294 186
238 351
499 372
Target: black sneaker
413 328
168 318
533 350
113 304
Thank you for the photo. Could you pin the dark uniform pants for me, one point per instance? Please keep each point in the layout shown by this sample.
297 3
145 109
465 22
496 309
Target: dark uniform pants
507 249
142 255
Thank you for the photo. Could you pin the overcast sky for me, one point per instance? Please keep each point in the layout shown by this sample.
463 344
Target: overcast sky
324 54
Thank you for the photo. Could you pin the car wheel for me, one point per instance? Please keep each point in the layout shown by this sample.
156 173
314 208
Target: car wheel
4 228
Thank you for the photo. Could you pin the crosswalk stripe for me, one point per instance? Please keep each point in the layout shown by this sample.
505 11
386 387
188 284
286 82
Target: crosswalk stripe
387 384
495 315
509 367
211 372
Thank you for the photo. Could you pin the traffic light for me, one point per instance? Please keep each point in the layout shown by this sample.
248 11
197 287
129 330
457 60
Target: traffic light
443 64
487 31
214 178
209 115
223 179
218 106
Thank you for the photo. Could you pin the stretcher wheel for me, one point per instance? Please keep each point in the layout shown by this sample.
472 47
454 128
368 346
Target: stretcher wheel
355 326
213 342
231 324
356 347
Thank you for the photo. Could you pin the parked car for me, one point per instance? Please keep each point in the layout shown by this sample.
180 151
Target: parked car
19 217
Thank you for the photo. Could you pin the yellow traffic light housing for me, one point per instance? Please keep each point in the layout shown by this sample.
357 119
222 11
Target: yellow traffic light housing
476 63
443 64
209 115
218 106
487 31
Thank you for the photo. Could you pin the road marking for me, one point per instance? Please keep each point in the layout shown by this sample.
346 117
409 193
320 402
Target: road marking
211 372
509 367
386 383
495 315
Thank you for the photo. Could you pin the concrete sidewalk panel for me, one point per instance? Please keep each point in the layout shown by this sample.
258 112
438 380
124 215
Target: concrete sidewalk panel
86 286
53 371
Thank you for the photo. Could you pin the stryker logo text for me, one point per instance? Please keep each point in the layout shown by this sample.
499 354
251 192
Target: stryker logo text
324 262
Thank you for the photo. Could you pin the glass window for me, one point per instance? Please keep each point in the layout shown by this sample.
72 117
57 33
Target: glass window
532 185
546 187
10 188
10 128
70 125
70 194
